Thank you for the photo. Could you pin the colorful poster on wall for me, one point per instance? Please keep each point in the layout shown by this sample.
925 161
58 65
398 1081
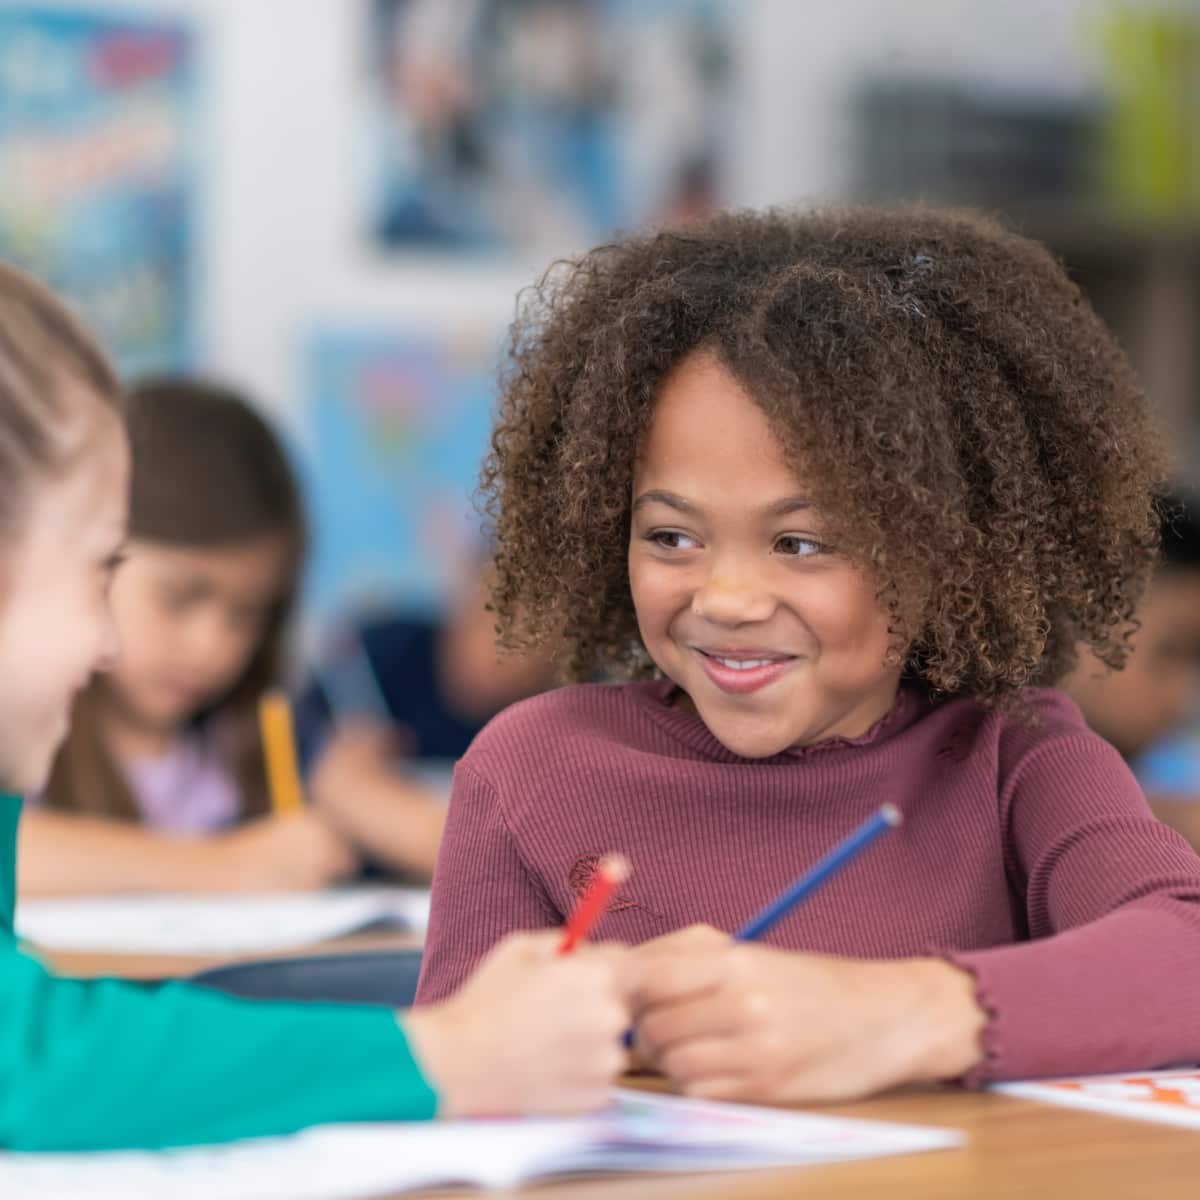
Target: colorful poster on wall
97 192
545 123
397 425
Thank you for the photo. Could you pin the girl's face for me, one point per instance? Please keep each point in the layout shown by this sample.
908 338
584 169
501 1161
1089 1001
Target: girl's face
776 638
55 626
190 620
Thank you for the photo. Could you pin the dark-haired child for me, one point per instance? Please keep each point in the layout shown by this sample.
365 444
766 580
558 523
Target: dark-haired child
160 784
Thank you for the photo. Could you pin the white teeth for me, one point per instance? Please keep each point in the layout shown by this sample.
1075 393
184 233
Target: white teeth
745 664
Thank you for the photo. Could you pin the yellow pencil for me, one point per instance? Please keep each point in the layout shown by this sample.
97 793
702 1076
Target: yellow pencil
279 749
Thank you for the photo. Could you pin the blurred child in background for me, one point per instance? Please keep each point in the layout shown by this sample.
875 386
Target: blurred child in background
438 683
1142 710
160 785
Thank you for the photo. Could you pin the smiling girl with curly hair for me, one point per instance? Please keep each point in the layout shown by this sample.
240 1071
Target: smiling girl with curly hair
841 493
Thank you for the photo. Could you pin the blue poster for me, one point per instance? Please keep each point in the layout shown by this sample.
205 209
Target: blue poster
398 425
97 173
546 123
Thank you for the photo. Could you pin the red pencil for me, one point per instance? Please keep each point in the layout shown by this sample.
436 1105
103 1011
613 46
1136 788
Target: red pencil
610 874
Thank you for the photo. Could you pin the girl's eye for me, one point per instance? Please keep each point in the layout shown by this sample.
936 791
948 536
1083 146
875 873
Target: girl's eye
108 568
792 545
671 539
109 565
248 617
178 600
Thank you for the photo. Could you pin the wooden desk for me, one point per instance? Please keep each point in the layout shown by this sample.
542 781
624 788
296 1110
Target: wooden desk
1015 1149
155 967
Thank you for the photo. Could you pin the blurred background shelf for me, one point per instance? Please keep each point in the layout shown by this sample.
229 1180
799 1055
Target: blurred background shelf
1144 280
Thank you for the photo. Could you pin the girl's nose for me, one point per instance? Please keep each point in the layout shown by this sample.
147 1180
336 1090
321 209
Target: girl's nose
732 597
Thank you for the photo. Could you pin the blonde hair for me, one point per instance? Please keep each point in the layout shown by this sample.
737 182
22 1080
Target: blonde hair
43 349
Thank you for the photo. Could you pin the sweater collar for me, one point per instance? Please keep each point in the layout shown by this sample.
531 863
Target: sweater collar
658 697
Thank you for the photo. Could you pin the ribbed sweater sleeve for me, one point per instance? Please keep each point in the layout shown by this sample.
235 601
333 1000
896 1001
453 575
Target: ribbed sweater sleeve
482 889
1110 979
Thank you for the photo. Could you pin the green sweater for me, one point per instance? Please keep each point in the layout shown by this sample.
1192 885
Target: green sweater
107 1065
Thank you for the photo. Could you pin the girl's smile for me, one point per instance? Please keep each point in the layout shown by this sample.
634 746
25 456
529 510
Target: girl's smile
740 672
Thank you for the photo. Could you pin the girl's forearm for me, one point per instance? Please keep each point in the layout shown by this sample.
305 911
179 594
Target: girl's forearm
69 853
393 819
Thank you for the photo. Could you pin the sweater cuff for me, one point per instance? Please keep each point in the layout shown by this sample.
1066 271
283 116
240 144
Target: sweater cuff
1102 997
989 1037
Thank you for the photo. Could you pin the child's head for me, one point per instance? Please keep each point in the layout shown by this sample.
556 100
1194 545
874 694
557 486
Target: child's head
1158 688
64 463
216 539
857 444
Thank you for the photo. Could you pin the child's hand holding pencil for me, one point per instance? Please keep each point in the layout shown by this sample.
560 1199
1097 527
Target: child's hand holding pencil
292 848
735 1020
532 1030
725 1018
544 1011
289 853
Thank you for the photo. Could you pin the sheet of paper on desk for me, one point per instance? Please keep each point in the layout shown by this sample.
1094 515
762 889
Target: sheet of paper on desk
1172 1097
641 1132
243 924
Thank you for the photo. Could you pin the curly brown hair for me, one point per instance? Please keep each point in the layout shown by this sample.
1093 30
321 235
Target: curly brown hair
971 431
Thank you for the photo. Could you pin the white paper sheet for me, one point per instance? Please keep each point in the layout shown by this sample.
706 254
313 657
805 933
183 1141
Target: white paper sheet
642 1132
242 924
1171 1097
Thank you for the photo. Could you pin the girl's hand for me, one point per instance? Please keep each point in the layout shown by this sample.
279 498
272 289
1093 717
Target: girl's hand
528 1032
299 852
738 1021
359 756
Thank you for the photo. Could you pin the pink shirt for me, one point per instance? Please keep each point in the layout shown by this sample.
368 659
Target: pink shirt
187 791
1028 856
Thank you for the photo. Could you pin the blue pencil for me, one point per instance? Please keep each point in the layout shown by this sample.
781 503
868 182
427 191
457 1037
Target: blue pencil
888 817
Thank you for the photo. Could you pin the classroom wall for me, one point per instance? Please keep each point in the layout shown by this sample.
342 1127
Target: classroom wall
280 246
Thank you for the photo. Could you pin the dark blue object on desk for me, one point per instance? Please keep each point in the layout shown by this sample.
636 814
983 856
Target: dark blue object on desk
385 977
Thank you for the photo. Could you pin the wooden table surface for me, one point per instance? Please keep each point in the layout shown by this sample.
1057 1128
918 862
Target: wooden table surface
1014 1148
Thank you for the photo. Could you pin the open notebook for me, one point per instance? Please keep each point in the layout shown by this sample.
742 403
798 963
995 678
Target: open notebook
640 1132
242 924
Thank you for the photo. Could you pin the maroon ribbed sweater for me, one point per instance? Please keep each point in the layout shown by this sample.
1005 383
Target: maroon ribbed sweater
1027 856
